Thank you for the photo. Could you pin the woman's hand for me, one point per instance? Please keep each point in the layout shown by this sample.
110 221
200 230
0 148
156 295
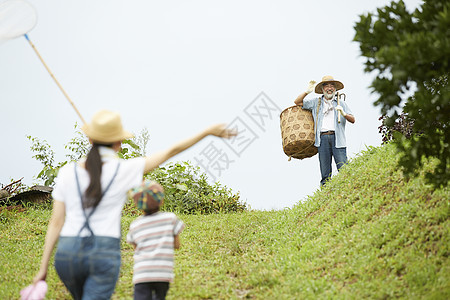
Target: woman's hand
221 131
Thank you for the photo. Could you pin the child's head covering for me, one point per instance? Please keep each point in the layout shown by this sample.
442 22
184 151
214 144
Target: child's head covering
148 196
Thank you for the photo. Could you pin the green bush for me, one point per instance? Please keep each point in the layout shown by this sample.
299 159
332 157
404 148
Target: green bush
187 191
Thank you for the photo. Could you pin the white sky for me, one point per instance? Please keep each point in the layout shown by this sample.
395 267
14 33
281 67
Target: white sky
175 67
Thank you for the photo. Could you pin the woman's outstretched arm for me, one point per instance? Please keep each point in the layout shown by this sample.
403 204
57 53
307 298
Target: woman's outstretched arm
219 130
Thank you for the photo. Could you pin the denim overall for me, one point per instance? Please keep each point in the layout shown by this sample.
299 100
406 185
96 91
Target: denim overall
89 266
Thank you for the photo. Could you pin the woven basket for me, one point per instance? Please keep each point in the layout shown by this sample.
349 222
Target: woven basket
297 132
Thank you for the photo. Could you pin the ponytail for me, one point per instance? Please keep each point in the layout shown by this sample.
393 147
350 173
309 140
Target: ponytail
93 193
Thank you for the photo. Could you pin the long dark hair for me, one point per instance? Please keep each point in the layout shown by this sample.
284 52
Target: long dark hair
93 193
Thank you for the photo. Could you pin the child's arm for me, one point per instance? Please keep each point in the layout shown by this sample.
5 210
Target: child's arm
130 239
133 244
176 242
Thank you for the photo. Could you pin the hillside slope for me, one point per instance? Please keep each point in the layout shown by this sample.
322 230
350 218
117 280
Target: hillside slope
370 233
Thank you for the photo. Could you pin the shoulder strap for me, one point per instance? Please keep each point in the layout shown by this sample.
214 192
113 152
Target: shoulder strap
317 113
318 107
88 216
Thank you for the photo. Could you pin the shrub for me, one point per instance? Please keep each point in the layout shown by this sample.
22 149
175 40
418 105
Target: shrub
188 191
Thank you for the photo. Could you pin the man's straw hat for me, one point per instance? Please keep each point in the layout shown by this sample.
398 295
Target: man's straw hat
328 79
106 127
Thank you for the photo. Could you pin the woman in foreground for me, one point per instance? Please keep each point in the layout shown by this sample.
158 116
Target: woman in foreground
88 199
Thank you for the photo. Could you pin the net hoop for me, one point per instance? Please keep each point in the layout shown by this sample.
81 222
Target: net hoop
17 17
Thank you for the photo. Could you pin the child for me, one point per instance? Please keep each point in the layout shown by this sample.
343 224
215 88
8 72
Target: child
154 237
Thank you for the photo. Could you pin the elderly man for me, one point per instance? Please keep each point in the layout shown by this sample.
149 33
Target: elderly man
329 120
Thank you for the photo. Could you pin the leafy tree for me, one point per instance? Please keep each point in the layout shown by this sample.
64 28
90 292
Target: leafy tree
410 54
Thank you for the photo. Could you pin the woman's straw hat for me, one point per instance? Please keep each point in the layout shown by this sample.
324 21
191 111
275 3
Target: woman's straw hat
327 79
106 127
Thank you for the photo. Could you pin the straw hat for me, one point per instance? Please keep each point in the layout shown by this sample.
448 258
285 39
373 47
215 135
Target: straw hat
106 127
328 79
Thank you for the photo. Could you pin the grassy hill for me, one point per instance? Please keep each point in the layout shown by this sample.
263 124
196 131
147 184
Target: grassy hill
369 234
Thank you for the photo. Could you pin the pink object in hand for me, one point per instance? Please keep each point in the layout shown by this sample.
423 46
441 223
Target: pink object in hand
34 291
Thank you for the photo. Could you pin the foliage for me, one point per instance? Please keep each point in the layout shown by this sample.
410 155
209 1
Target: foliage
46 155
142 140
135 147
129 150
403 125
187 191
78 147
368 234
410 54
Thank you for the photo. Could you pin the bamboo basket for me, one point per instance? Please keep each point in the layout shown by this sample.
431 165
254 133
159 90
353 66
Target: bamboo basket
297 132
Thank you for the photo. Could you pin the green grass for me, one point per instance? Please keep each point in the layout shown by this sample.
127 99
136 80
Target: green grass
369 234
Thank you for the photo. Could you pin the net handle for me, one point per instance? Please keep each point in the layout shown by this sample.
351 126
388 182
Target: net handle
338 96
54 78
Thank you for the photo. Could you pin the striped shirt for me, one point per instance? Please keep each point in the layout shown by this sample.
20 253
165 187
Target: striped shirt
154 239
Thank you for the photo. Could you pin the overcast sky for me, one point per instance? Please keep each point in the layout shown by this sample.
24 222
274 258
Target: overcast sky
175 67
